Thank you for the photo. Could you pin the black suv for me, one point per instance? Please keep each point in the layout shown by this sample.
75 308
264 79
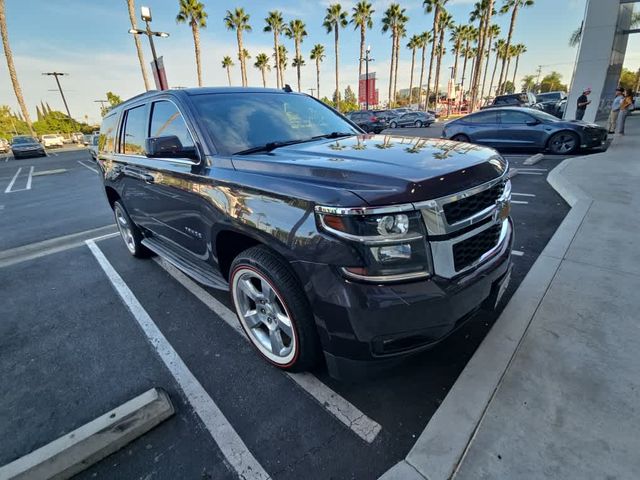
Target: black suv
524 99
360 248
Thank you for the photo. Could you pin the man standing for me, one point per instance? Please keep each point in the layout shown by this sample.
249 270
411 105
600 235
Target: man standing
615 109
583 101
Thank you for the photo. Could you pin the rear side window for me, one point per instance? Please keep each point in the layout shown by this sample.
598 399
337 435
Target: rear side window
166 120
511 117
490 116
107 138
134 133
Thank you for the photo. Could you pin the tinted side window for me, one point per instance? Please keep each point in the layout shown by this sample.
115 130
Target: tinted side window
167 120
107 138
490 116
514 117
134 131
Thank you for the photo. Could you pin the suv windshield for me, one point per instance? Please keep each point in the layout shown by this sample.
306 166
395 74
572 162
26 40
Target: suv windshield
545 97
239 122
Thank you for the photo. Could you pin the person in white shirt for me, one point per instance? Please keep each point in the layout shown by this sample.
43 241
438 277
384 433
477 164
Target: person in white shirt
615 109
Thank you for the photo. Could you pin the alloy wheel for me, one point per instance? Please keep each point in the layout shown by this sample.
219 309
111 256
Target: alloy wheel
264 316
125 230
563 143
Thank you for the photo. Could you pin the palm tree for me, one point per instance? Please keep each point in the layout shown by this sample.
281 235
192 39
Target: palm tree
424 42
467 52
483 12
132 18
12 68
457 38
402 32
335 19
435 6
513 6
275 24
262 64
518 50
499 49
227 63
510 53
492 32
445 23
192 12
317 54
393 21
413 45
361 18
238 20
281 56
296 30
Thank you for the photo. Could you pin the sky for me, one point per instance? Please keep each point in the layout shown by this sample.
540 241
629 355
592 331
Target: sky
88 39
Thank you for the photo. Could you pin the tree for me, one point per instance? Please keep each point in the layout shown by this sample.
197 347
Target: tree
445 23
413 45
529 83
262 64
113 100
467 52
512 6
12 68
334 20
393 21
227 63
435 6
317 55
499 49
457 38
424 42
628 79
552 82
238 20
132 18
483 12
275 24
296 31
507 87
192 12
361 18
492 33
518 50
281 55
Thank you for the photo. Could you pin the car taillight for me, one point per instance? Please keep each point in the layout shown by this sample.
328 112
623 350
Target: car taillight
374 119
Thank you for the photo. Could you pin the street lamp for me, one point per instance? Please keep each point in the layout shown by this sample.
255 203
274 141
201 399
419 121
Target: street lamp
145 14
367 58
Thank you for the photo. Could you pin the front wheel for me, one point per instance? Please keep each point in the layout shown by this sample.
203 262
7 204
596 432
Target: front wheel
418 124
563 143
129 232
273 310
460 137
393 125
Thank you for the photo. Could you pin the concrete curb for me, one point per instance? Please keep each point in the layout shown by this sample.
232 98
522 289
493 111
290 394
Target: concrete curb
444 442
78 450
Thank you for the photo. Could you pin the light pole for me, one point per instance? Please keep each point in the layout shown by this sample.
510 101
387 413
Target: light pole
367 58
145 14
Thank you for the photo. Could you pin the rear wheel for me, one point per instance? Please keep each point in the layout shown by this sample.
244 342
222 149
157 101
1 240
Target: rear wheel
460 137
273 309
563 143
129 232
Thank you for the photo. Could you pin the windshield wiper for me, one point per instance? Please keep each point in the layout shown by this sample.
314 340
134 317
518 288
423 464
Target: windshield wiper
267 147
334 135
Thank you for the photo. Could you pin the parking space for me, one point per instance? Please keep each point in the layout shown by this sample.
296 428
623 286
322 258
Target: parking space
89 327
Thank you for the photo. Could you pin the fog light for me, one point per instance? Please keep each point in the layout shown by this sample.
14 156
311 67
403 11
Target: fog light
391 253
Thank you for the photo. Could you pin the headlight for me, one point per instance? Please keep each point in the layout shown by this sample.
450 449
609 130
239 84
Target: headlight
391 246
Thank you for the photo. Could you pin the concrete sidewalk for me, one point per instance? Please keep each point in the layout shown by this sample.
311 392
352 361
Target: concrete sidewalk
554 389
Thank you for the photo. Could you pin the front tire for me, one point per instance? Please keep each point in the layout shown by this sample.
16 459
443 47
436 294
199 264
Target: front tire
129 232
460 137
418 124
393 125
273 310
563 143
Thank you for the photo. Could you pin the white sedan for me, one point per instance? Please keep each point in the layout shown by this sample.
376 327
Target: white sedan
52 140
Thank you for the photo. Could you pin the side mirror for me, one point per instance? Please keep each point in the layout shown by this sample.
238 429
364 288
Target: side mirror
168 146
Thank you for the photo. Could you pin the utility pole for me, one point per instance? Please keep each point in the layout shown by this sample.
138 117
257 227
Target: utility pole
367 58
64 100
101 102
312 90
537 85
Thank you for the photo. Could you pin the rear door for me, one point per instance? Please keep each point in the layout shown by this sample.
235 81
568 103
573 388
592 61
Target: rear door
483 127
519 130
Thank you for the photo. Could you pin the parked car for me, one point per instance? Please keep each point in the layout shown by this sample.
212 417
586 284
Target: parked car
367 121
23 146
552 102
86 139
4 146
93 146
515 127
51 140
328 244
413 119
385 115
524 99
77 137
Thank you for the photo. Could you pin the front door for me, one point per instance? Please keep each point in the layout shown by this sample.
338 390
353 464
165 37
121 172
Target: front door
520 130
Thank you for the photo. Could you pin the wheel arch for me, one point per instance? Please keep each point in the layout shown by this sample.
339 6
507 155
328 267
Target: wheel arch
112 195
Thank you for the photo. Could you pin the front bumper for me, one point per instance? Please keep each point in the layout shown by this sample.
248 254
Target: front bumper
28 153
594 139
367 327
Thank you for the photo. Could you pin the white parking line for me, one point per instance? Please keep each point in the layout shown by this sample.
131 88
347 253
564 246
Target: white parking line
517 253
523 194
29 179
532 169
520 172
519 202
343 410
13 180
87 166
228 441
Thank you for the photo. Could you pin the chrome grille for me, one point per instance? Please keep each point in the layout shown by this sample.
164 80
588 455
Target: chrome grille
469 206
469 251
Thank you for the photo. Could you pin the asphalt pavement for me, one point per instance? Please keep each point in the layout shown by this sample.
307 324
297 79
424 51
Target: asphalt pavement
73 346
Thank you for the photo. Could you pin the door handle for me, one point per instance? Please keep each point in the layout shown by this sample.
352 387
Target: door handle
138 174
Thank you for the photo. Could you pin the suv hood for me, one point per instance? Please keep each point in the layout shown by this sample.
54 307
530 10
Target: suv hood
382 169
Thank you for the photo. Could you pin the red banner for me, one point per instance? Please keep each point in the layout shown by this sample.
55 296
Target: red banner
367 86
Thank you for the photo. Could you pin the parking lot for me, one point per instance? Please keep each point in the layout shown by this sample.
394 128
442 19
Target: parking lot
86 327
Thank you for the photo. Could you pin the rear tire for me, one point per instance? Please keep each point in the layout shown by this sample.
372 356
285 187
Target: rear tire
129 231
273 310
393 125
418 124
460 137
